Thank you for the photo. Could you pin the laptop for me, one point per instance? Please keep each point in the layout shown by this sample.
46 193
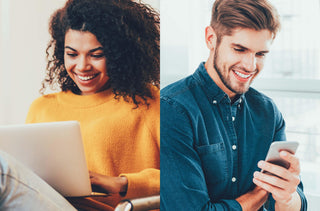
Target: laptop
54 151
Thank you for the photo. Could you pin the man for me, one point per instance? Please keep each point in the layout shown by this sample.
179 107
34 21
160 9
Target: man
216 130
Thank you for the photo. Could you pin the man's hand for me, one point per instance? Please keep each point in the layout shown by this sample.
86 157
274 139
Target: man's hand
253 200
107 184
283 183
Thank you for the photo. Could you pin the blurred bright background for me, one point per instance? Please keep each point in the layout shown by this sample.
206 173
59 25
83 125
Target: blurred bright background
291 75
23 40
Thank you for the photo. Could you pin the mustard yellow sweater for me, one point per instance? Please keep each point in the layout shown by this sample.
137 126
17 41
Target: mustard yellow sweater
118 139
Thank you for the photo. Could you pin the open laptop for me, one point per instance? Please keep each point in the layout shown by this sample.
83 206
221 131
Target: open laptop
54 151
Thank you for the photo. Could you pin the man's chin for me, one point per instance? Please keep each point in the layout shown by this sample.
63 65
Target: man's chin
240 91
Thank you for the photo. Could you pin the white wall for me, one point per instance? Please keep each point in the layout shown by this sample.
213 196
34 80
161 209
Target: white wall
183 45
23 40
154 3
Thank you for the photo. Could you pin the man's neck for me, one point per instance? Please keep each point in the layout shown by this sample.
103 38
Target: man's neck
216 78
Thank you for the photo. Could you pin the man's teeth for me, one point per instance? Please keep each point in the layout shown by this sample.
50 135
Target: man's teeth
86 78
242 75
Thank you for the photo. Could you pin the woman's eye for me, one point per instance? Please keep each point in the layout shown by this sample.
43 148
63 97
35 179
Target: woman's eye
97 55
72 54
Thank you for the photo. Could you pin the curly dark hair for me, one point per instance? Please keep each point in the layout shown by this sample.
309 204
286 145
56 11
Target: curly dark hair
130 35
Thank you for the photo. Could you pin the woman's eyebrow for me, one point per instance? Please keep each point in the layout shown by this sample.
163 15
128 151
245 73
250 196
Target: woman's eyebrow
92 50
96 49
70 48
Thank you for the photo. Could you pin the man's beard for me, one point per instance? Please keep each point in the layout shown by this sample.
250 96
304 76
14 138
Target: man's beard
227 83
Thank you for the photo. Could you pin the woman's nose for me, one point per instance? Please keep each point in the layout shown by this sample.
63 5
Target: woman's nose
83 64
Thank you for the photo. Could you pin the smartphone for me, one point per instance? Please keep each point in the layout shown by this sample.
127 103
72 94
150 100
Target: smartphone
276 147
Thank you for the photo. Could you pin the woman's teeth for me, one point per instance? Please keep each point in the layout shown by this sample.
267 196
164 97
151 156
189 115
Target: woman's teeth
86 78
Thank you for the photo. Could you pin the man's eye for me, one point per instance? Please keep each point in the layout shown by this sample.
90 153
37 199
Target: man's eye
261 54
239 49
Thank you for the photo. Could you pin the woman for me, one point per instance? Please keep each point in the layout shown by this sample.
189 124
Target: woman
104 56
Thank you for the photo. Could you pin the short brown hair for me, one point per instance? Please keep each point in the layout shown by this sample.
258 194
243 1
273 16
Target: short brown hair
253 14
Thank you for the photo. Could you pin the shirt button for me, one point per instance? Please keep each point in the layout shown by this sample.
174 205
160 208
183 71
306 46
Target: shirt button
233 118
234 147
234 179
214 102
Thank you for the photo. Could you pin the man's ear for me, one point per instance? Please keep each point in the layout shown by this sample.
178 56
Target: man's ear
211 38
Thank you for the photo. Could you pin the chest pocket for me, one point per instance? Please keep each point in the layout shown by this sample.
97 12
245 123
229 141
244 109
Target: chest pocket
214 162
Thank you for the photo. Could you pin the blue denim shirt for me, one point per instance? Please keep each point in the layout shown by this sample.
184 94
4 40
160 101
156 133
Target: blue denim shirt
209 147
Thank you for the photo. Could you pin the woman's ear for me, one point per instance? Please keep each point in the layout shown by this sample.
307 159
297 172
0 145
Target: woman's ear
211 38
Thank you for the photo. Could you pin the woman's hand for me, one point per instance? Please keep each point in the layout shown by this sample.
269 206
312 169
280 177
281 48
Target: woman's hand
107 184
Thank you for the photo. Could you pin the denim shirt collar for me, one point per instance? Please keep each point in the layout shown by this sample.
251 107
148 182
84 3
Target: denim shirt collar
212 90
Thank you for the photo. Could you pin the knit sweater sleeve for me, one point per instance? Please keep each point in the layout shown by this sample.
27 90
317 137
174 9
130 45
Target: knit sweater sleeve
144 183
147 181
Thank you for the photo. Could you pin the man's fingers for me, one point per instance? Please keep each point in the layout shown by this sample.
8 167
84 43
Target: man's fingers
293 160
277 193
273 169
278 182
272 180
